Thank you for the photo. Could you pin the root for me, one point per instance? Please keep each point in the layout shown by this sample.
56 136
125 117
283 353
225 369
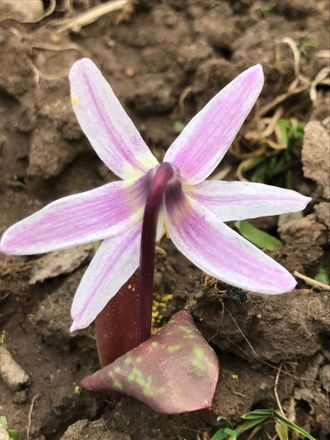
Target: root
91 15
28 429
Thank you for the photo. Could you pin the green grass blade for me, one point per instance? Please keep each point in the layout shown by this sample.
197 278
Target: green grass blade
225 434
260 238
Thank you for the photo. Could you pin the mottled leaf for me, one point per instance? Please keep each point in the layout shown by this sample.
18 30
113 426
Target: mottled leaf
174 371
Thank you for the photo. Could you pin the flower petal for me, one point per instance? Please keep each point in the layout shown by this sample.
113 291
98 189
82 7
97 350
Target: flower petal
115 261
221 252
106 124
205 140
241 200
77 219
160 224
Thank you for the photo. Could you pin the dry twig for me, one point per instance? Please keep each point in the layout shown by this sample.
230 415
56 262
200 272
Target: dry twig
300 82
28 429
58 47
309 281
275 390
91 15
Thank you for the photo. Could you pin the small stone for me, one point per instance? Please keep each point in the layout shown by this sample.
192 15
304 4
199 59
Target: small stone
60 262
98 430
305 230
316 155
53 141
130 72
4 434
152 97
322 211
324 374
23 11
11 372
27 120
20 397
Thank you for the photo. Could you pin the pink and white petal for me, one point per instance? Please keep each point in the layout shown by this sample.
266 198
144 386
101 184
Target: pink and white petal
241 200
160 224
77 219
205 140
115 261
109 129
222 253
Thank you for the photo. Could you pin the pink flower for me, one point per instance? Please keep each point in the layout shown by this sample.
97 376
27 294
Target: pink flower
193 210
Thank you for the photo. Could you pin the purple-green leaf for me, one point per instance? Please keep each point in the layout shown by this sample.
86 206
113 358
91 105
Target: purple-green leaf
173 372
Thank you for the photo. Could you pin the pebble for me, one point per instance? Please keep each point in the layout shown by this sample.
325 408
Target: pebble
22 11
324 374
11 372
4 434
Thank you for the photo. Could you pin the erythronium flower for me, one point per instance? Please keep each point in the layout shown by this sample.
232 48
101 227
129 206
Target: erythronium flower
192 209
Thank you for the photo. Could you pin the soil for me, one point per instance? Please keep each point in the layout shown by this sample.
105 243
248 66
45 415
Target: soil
164 59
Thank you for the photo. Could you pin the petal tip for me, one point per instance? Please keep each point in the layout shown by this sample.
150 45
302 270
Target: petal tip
286 285
307 200
301 202
5 247
255 77
258 71
80 65
2 247
292 283
12 242
77 321
74 327
258 67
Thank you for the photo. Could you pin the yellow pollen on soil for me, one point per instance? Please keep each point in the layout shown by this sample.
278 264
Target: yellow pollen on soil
158 306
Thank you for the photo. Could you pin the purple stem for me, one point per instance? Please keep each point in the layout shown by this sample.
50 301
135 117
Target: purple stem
159 181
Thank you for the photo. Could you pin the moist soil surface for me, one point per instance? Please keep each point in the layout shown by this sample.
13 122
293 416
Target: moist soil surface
165 60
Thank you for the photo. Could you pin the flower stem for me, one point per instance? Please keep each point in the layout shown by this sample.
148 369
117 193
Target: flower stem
158 184
116 326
